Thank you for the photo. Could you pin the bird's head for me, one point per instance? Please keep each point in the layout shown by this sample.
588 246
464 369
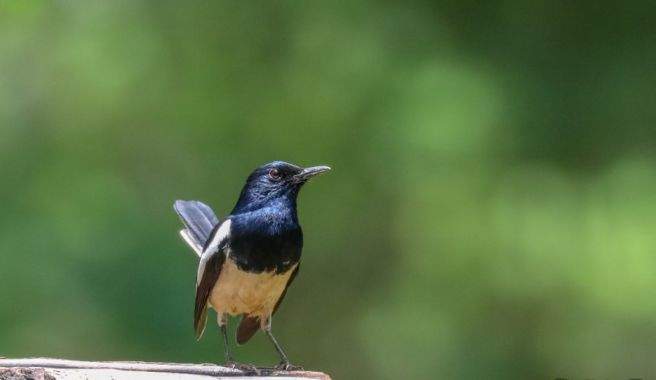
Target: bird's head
273 182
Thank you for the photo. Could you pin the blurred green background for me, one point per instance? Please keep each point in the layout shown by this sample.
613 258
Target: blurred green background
490 213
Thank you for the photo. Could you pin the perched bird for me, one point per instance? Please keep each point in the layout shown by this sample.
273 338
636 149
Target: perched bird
249 259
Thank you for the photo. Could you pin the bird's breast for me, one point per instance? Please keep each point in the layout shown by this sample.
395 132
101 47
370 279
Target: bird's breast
265 243
241 292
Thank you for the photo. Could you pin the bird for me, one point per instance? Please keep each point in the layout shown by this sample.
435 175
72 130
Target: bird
249 259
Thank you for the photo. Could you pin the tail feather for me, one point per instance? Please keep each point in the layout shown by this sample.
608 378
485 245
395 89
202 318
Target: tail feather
184 233
198 219
247 328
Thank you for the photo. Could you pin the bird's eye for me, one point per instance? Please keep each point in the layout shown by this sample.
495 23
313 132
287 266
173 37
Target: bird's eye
274 174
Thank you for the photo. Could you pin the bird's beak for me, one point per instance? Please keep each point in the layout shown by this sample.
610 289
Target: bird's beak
308 173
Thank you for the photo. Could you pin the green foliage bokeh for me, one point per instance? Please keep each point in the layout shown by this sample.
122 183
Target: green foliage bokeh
490 213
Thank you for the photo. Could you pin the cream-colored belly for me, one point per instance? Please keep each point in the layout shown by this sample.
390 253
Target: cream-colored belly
238 292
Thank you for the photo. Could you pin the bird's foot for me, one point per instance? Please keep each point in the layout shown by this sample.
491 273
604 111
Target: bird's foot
287 366
250 369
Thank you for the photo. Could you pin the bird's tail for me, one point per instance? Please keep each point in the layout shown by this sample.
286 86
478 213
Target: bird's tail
198 219
248 326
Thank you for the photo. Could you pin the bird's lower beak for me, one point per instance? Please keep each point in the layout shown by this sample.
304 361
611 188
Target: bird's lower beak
308 173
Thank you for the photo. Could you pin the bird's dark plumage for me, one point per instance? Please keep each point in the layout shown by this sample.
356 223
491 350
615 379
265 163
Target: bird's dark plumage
249 259
203 290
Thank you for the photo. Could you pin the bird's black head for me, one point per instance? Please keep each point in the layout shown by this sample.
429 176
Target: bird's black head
275 182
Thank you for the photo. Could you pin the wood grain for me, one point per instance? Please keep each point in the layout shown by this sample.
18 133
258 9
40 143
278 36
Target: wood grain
62 369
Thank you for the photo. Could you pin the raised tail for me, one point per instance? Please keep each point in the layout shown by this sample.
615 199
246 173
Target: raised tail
198 219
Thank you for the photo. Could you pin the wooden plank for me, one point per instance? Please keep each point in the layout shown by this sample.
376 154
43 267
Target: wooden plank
62 369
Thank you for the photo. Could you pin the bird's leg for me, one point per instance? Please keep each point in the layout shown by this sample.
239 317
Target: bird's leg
283 356
229 360
284 361
223 325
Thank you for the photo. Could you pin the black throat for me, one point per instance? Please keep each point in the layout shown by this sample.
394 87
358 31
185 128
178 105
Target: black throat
265 236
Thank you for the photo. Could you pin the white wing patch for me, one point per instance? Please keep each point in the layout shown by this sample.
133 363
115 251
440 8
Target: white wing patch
221 234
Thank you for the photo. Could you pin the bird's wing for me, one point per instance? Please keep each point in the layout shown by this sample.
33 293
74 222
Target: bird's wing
199 221
209 269
249 325
284 292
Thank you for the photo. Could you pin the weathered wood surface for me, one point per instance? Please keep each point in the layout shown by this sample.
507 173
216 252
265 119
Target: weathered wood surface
61 369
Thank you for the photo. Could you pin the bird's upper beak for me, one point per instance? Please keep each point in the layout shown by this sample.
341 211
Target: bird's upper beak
310 172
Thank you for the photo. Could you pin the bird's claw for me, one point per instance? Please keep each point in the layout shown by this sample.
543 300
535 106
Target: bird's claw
286 366
248 368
